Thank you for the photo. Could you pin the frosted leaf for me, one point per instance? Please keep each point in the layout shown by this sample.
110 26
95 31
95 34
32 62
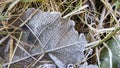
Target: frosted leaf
53 32
50 33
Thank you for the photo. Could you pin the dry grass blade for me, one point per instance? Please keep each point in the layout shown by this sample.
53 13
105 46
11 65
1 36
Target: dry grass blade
29 17
10 49
76 11
105 30
68 6
15 61
12 5
108 36
97 55
109 7
38 59
14 51
35 35
53 5
6 1
26 52
20 15
3 39
102 18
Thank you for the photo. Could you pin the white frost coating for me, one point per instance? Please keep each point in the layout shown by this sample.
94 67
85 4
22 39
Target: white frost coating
58 62
53 31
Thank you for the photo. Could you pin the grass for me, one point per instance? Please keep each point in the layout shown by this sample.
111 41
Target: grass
98 23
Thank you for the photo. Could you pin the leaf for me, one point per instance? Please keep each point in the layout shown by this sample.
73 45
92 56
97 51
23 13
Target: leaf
114 45
54 32
49 33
